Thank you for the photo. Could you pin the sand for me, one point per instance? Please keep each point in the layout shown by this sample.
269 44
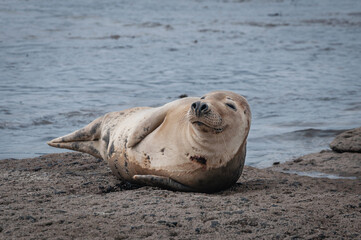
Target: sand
75 196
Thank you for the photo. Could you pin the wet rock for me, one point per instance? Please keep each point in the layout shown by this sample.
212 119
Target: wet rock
349 141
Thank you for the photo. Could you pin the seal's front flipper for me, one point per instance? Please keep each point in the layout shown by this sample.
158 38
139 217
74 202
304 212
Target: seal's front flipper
150 121
163 182
83 140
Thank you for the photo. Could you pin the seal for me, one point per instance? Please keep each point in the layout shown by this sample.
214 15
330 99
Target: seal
191 144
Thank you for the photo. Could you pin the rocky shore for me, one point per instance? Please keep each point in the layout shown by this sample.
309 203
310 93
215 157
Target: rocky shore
75 196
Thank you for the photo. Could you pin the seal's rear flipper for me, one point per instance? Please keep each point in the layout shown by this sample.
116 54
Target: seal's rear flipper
163 182
83 140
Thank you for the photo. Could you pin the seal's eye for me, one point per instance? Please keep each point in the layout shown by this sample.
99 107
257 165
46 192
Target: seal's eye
231 106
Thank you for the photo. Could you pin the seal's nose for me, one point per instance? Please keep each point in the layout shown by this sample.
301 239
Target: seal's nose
199 108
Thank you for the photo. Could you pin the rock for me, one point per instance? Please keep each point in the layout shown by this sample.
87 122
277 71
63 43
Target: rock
349 141
37 169
214 224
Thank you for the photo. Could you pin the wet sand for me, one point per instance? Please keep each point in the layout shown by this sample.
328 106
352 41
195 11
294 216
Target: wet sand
73 195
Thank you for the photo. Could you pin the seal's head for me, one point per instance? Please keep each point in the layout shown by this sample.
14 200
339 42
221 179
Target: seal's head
220 112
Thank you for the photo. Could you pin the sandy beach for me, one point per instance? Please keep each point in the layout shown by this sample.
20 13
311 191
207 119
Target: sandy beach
75 196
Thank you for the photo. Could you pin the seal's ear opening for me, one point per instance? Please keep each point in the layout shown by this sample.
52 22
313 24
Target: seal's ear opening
151 121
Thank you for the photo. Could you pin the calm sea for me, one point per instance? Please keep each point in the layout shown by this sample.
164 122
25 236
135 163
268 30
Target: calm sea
64 63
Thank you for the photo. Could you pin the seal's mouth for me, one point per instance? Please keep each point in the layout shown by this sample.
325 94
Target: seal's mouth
206 127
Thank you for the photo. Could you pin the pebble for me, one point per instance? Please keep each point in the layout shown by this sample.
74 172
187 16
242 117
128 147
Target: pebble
214 224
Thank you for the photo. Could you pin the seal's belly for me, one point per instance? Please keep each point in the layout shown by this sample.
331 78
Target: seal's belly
125 164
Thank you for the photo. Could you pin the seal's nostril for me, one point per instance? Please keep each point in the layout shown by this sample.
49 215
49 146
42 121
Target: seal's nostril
204 107
195 105
199 108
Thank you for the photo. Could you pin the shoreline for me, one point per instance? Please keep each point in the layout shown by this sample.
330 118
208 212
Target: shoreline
74 195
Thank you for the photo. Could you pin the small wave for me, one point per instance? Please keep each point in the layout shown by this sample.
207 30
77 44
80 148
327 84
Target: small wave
261 24
327 99
333 22
5 111
208 30
82 114
150 25
114 47
355 108
355 14
114 37
309 133
12 125
312 132
42 122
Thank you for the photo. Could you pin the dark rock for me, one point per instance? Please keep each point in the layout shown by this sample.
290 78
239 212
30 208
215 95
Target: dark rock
296 184
321 236
59 192
28 217
162 222
214 224
182 96
243 199
171 224
48 223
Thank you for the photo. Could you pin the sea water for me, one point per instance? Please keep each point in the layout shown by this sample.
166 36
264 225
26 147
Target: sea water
65 63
